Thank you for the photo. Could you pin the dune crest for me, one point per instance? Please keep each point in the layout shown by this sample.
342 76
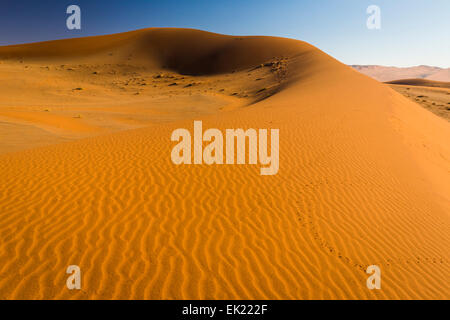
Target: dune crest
363 175
421 82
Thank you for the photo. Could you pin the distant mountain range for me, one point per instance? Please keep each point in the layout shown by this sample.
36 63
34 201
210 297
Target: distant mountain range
382 73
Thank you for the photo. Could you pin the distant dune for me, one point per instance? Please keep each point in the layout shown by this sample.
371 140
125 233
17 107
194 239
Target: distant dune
383 74
86 175
421 82
442 75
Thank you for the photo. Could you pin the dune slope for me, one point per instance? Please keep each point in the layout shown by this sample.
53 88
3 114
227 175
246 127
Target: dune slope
363 179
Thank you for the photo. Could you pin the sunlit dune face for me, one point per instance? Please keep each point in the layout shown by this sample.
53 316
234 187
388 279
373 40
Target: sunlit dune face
87 178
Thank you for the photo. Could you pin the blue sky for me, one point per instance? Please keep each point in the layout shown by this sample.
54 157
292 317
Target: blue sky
413 32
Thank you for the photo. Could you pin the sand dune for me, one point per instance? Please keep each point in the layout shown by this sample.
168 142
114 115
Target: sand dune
442 75
421 82
363 179
383 73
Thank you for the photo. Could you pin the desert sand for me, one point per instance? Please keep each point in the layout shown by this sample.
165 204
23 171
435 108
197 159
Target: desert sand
432 95
87 178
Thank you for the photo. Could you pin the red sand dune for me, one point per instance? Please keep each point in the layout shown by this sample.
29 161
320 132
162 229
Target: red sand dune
363 179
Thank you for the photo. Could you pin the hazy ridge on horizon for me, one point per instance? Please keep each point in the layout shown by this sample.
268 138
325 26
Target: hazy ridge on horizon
390 73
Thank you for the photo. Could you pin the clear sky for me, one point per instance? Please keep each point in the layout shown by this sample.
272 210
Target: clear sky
413 32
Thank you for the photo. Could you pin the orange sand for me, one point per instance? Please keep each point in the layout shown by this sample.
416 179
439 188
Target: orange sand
87 177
